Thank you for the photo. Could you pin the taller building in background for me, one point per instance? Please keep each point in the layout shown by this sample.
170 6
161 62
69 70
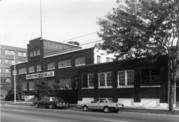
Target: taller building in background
8 56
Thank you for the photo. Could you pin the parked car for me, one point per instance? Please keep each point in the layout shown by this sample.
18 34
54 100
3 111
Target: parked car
50 102
104 104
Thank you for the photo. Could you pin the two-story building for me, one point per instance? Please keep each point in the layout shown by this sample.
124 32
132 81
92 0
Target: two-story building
53 66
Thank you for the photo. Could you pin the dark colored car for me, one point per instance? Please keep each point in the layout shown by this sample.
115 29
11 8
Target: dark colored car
50 102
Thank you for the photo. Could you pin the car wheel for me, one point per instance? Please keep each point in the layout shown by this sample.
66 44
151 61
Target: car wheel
50 106
37 105
85 108
106 109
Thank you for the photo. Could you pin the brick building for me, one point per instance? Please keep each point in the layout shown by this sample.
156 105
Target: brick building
55 65
132 82
80 75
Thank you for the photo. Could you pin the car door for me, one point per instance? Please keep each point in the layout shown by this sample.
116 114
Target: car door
101 104
93 104
43 101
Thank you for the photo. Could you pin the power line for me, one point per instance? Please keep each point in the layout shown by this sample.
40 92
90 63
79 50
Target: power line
91 42
84 35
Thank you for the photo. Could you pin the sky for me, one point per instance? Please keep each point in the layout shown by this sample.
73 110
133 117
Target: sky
62 20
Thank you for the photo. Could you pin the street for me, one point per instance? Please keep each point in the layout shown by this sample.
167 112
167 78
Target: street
17 113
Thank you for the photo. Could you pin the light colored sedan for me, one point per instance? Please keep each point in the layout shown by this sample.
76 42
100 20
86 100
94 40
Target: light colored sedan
104 104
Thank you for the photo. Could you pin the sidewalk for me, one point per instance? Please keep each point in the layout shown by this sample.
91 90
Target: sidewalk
125 109
17 103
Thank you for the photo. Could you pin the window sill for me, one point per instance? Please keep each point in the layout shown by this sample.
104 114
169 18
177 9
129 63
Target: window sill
80 65
88 88
64 67
105 87
50 69
125 87
149 86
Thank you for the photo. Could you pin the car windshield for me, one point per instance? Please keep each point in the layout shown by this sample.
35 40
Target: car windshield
53 99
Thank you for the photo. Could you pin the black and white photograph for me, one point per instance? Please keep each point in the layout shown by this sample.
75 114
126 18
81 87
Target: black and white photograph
89 60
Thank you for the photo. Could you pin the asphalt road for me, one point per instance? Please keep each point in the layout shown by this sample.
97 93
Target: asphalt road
15 113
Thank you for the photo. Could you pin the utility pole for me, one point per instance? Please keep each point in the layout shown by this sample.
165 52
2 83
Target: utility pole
173 63
14 77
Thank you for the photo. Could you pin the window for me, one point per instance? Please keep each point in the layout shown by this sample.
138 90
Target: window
0 61
65 84
22 71
39 68
90 80
107 59
9 52
31 54
31 69
109 78
38 52
51 66
126 78
150 77
31 85
20 62
22 54
35 53
105 79
9 61
98 59
63 64
24 85
7 70
80 61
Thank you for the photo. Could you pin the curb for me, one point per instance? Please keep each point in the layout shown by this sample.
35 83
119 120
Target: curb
77 107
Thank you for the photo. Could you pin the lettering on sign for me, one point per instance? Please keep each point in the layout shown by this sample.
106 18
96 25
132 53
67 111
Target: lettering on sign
40 75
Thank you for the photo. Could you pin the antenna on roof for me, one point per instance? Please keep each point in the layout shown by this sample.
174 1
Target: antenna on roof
41 19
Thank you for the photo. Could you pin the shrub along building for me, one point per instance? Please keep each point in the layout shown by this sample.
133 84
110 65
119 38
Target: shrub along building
80 75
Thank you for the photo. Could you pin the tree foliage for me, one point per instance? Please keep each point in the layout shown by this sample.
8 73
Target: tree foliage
140 28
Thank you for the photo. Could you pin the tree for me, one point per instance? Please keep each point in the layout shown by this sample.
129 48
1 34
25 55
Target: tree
42 88
142 28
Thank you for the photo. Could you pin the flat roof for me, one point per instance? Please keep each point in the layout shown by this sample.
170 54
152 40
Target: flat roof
67 52
12 47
